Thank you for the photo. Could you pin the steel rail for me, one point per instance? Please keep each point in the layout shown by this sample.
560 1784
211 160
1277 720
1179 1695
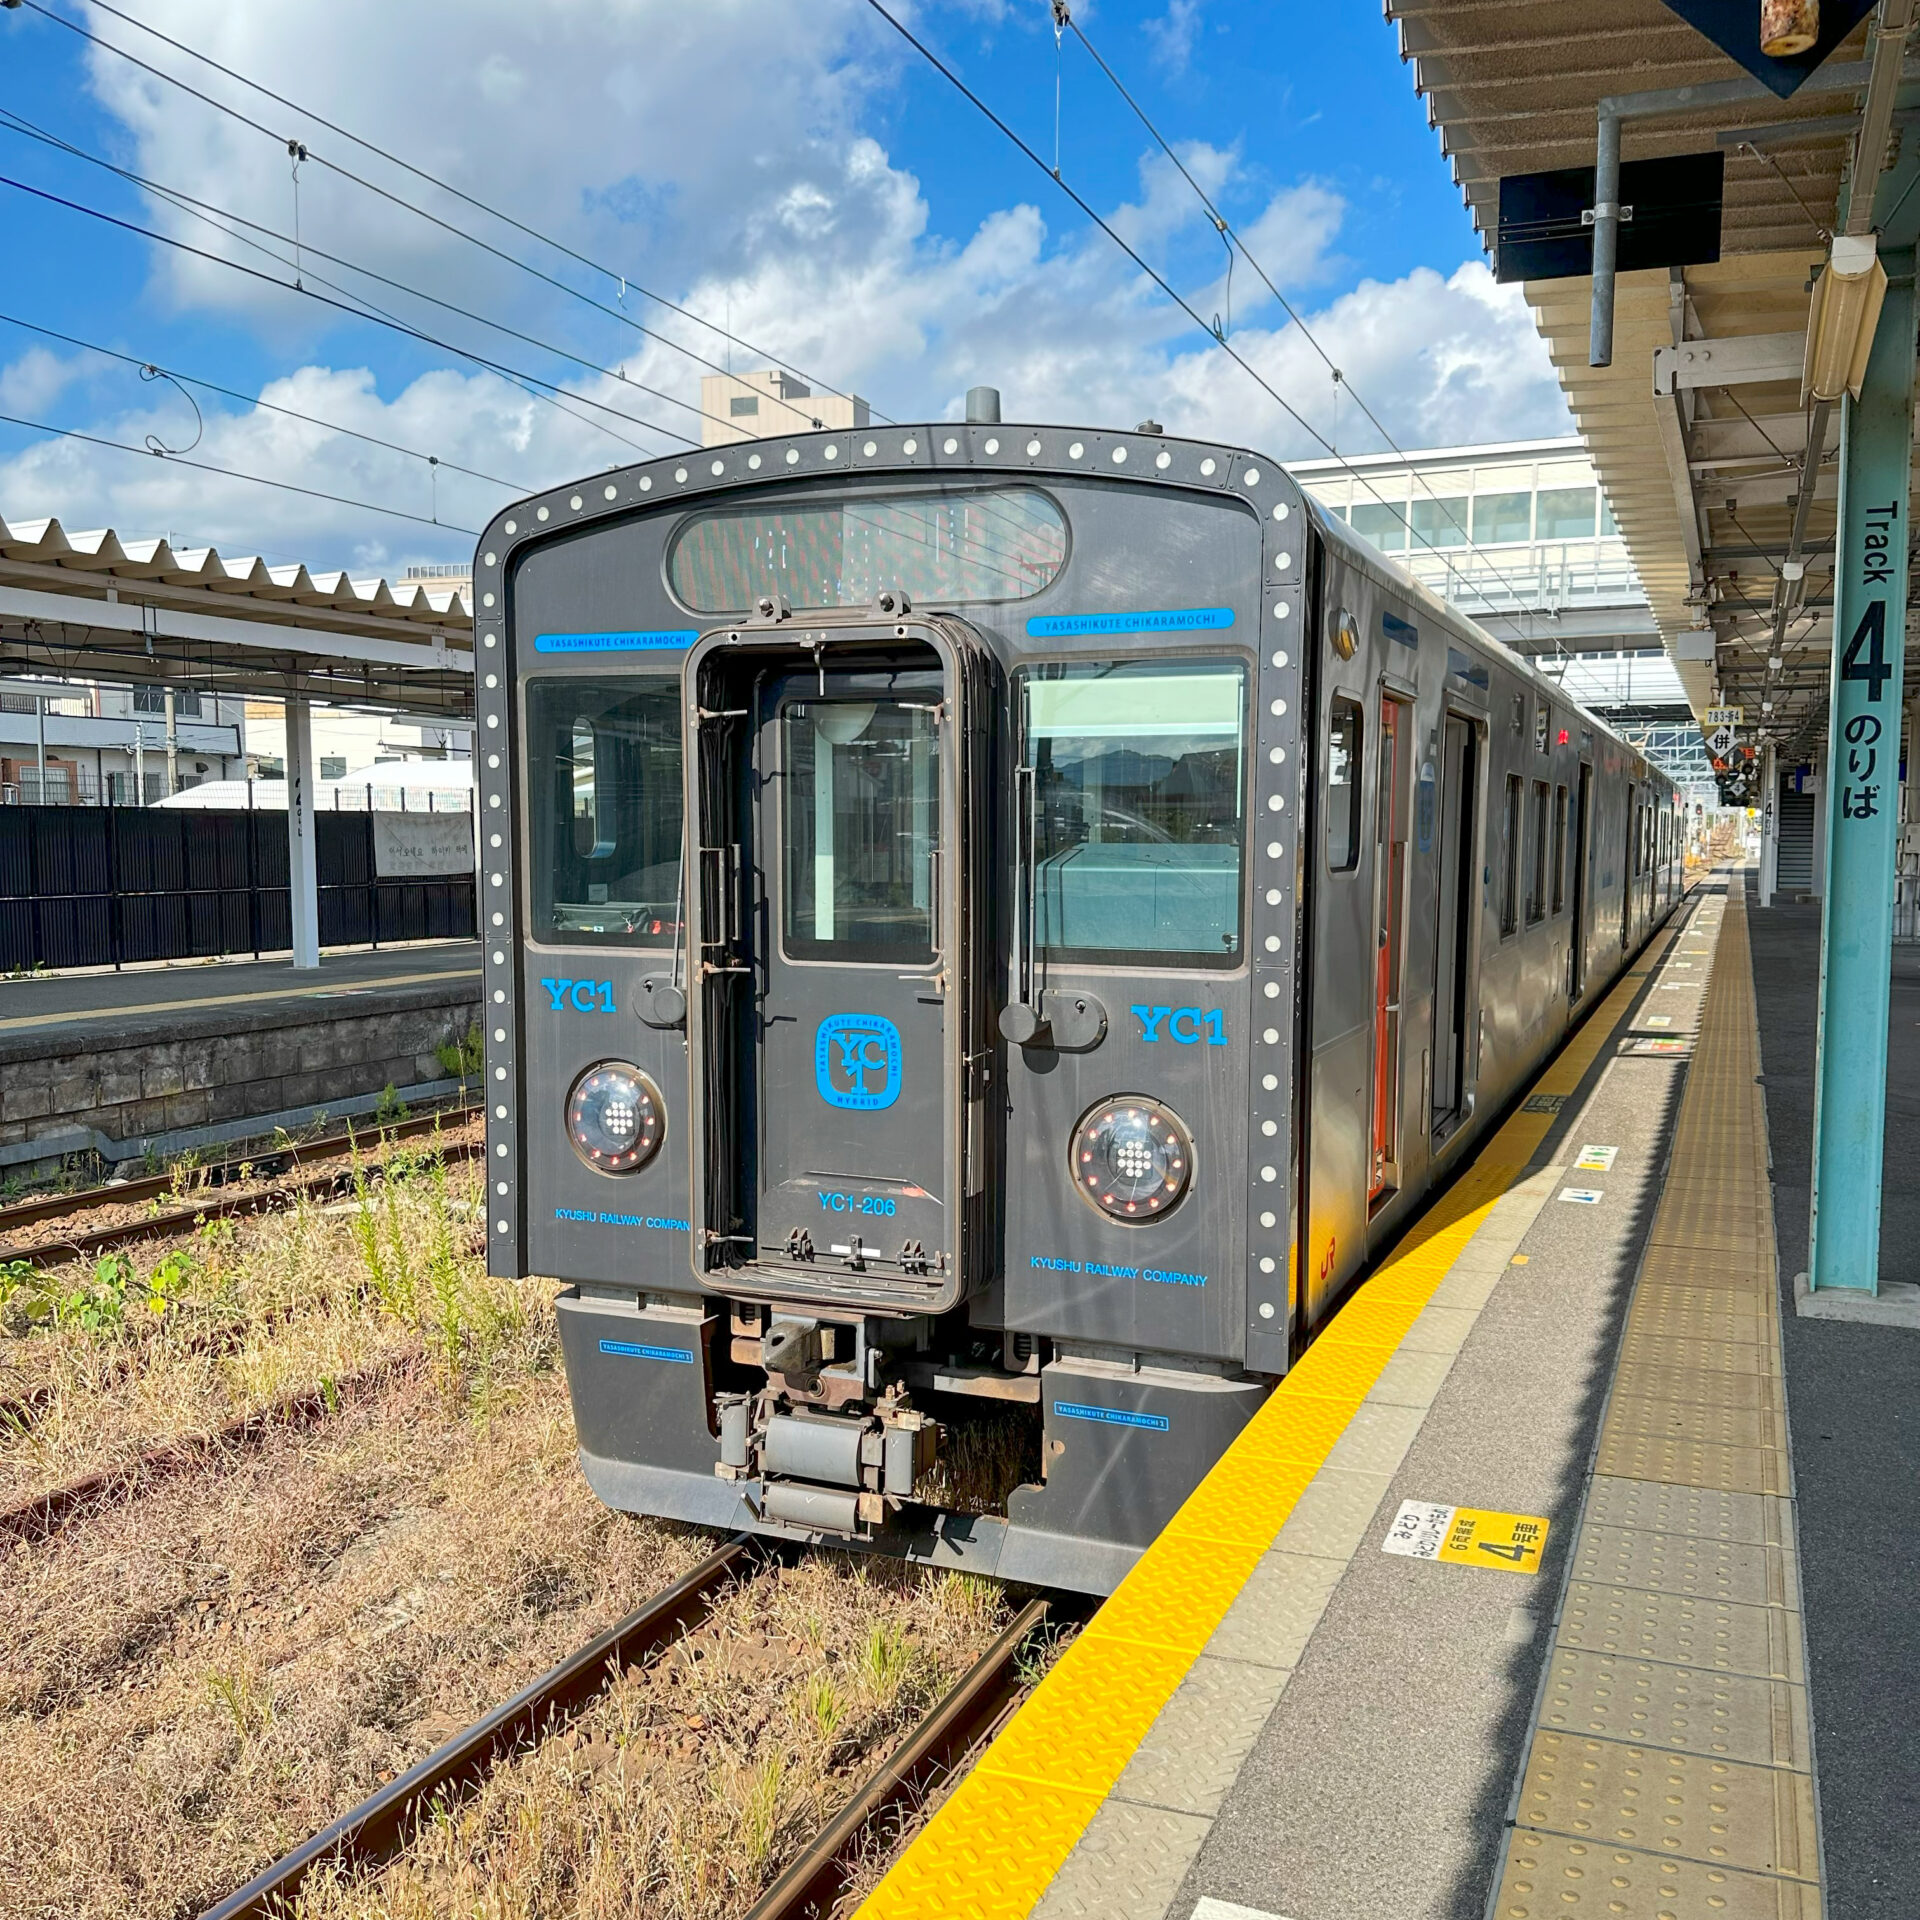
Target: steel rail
51 1253
382 1825
814 1883
27 1213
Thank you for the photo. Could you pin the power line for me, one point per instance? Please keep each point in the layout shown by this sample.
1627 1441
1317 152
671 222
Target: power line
151 367
433 180
358 304
233 473
342 306
1252 372
399 286
1233 240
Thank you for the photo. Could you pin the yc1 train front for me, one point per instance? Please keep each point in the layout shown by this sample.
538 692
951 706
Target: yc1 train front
891 853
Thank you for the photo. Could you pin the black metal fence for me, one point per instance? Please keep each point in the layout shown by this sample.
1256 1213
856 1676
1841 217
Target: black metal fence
99 886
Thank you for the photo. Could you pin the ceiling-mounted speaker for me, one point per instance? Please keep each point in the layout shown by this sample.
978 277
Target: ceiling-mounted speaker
1740 28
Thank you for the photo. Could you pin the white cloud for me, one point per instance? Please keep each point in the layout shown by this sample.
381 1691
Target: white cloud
35 381
1173 35
724 145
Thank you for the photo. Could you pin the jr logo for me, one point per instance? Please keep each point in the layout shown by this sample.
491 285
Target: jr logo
1184 1026
856 1061
583 996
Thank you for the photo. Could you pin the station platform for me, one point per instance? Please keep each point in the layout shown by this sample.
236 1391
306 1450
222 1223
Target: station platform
164 1059
1353 1681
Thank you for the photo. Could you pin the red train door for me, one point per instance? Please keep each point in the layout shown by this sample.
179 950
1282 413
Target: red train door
1390 883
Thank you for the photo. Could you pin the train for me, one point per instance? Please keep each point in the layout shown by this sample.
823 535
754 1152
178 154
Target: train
988 931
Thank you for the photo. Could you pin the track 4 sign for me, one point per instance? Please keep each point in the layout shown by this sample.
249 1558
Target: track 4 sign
1467 1536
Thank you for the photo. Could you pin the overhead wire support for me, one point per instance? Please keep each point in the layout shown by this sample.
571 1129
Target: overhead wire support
232 473
393 159
1179 300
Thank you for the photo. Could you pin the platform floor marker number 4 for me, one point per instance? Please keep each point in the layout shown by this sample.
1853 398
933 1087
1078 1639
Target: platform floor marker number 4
1467 1536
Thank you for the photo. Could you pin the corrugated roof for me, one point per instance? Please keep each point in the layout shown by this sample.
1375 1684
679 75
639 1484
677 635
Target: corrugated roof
103 551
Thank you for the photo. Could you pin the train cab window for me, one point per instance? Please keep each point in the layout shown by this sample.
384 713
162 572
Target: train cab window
1343 786
862 830
953 546
1537 855
1139 814
604 796
1559 855
1510 861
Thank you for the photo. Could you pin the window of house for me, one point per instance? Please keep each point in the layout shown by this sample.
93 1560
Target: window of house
741 405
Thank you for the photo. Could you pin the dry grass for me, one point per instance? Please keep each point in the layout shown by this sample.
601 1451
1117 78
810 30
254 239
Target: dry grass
157 1342
195 1679
683 1792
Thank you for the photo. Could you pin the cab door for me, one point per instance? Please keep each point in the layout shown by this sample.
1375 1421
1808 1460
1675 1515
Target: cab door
834 1006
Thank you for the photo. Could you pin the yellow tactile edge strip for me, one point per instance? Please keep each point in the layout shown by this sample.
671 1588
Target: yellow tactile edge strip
1670 1766
990 1852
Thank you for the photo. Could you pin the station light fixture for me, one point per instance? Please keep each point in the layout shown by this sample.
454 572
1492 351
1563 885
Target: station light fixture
1840 325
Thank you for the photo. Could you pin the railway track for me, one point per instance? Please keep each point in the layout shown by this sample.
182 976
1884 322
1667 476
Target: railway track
208 1205
383 1825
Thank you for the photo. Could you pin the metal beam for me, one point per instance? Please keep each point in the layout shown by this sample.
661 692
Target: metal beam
1737 360
1673 444
1863 789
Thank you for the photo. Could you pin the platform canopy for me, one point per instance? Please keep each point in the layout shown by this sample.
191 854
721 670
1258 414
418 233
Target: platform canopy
97 606
1696 428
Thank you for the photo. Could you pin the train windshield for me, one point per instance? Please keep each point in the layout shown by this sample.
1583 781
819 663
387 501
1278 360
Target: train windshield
955 547
1140 824
606 805
862 830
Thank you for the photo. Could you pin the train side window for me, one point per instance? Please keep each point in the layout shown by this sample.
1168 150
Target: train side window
1537 855
604 800
1343 785
1559 848
1510 861
1139 810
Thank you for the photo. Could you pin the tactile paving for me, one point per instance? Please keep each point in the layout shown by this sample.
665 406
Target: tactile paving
1707 1512
1648 1381
1689 1630
1723 1716
1678 1419
1708 1568
1550 1876
1721 1813
1645 1456
1662 1311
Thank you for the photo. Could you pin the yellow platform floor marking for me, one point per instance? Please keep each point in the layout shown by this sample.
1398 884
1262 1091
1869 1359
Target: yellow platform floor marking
990 1851
1669 1768
314 990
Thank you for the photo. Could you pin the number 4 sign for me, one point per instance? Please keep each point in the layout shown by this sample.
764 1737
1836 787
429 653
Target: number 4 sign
1467 1536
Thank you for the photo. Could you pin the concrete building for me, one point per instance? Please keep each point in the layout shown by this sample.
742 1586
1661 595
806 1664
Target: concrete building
746 406
114 746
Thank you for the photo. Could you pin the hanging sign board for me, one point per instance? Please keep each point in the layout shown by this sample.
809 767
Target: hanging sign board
421 846
1726 716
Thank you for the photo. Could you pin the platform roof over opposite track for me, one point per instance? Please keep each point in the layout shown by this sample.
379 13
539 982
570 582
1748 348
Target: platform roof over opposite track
95 605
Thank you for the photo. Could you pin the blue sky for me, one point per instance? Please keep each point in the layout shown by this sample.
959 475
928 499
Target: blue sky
793 169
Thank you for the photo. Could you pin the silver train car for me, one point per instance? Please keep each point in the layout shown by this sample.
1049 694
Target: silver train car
988 931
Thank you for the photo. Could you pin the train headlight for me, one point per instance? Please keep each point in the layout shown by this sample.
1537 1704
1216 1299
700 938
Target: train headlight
1132 1158
615 1117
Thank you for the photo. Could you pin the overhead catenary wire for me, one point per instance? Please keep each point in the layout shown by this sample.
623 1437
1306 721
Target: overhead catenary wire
353 302
1234 241
233 473
343 306
20 124
152 367
1153 274
626 282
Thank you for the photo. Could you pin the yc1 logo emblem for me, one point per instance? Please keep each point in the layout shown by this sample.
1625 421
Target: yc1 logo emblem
856 1061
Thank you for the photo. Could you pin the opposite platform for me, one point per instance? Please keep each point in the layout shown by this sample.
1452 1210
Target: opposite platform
1274 1714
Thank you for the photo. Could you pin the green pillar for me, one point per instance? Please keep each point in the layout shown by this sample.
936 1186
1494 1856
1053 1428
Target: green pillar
1863 796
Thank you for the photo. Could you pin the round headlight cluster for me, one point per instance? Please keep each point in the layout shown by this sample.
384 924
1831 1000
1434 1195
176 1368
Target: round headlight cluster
1132 1158
615 1117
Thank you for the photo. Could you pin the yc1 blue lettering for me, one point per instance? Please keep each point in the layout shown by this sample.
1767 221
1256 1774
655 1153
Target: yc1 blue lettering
874 1205
581 996
1184 1026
